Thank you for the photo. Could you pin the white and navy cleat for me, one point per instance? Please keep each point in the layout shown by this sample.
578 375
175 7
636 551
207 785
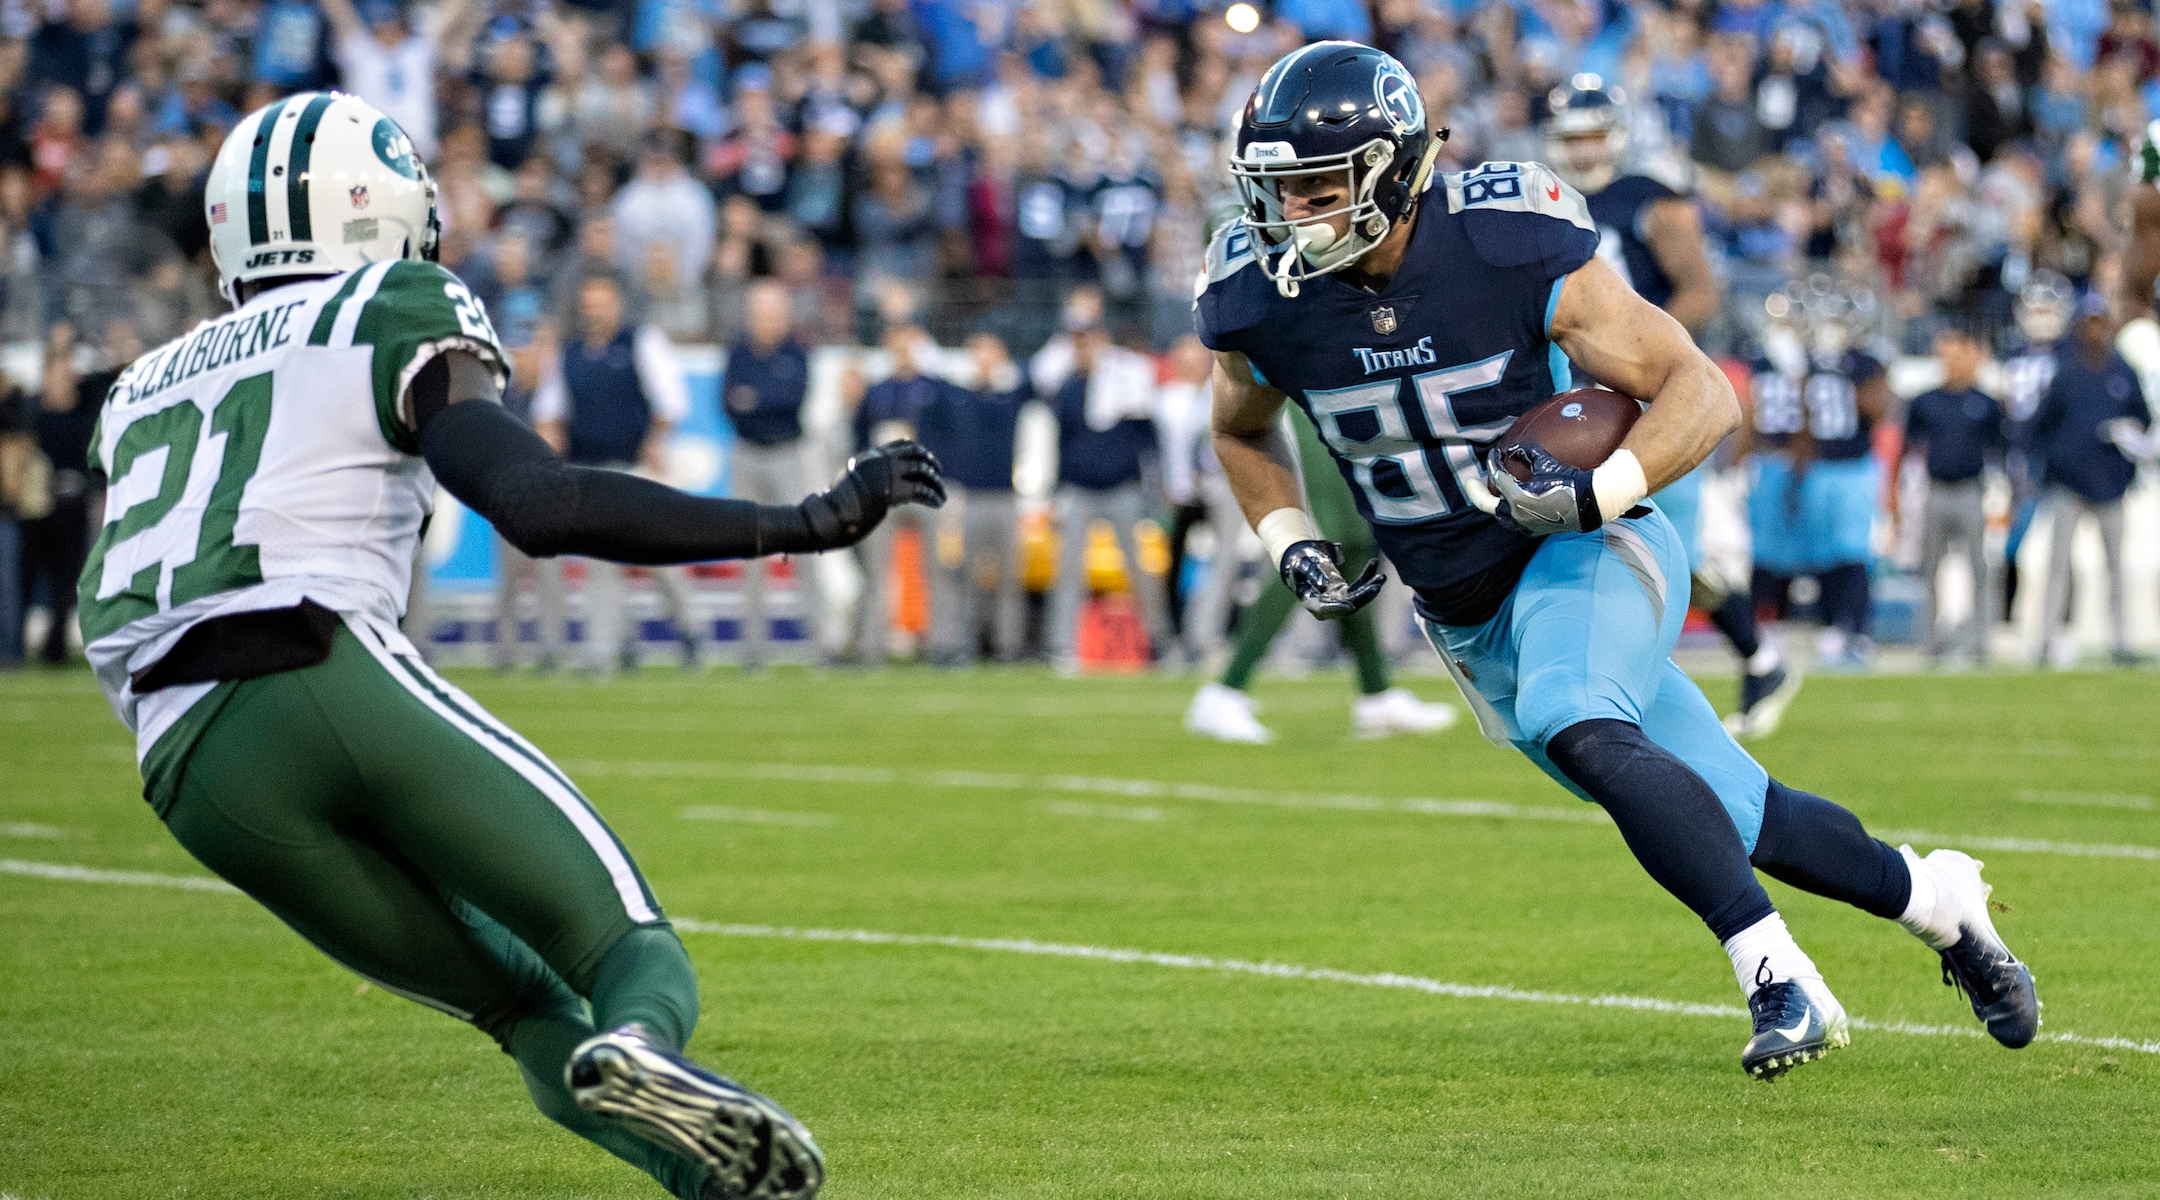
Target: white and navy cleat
1796 1021
752 1148
1978 963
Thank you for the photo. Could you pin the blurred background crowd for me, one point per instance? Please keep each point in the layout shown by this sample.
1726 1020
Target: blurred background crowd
905 174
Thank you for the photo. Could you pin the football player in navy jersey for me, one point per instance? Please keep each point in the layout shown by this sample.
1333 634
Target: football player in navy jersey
1413 317
1651 234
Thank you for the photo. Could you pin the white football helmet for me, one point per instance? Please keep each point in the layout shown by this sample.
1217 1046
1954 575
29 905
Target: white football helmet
316 184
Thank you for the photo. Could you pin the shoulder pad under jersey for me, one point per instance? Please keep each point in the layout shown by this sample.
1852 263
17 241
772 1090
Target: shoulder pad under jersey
1232 293
1520 214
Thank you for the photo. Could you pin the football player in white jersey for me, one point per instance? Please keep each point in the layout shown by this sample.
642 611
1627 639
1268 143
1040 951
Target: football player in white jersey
269 474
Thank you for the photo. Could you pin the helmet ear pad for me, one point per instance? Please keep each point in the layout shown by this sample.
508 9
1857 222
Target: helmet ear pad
1396 192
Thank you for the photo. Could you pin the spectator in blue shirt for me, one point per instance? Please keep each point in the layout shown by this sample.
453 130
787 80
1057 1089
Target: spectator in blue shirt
1960 430
972 432
768 375
2074 437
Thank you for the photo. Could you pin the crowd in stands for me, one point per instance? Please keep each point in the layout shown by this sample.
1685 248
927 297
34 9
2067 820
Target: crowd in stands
962 167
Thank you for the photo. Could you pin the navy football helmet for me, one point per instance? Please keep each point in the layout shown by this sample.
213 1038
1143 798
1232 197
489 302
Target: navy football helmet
1327 108
1587 133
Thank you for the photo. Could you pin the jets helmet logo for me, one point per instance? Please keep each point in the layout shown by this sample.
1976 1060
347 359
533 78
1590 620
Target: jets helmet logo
1383 321
1397 96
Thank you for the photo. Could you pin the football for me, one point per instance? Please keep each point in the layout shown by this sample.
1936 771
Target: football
1580 428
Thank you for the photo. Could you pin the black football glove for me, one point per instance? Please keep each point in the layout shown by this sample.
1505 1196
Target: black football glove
1557 498
1313 572
895 473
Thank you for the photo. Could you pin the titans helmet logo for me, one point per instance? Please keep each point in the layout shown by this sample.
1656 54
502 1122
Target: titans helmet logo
1397 96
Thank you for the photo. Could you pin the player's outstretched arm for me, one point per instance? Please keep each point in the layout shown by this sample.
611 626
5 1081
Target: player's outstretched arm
1636 348
500 468
1257 461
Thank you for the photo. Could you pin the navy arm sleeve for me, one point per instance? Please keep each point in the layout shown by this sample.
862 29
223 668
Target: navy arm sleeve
498 467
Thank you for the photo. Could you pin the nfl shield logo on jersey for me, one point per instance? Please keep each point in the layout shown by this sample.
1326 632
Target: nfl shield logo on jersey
1383 320
359 196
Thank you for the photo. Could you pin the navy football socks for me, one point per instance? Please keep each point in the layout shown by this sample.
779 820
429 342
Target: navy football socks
1820 847
1671 818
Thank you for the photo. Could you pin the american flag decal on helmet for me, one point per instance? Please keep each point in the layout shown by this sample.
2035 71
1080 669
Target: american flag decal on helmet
217 214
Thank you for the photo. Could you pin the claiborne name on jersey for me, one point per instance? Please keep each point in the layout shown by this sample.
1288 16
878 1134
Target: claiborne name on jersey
1419 355
216 344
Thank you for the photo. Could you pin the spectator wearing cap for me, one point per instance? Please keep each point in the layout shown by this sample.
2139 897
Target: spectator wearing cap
663 207
531 345
1103 396
2075 434
768 377
973 430
1959 430
613 400
891 409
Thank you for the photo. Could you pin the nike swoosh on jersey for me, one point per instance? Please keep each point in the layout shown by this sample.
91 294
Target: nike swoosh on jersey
1553 192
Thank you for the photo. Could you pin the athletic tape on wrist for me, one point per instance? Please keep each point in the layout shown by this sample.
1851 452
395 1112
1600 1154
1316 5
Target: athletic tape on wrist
1619 484
1284 528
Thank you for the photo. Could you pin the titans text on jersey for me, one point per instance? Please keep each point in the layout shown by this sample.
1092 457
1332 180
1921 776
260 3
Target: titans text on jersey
1408 386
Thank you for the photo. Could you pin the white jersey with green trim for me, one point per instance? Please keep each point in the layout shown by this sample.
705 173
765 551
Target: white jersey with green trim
264 458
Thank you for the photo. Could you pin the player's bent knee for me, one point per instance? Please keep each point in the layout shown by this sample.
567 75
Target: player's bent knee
1595 749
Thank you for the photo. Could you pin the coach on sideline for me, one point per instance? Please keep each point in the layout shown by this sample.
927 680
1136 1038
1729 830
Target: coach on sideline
2086 473
1960 430
613 402
768 374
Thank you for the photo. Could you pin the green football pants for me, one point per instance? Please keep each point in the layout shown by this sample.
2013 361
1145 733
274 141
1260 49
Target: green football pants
1335 511
408 834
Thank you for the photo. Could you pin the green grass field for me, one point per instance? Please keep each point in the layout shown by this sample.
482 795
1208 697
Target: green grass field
158 1041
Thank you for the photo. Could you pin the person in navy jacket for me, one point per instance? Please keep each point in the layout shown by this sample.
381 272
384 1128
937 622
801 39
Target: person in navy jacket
972 431
891 408
2075 434
1959 430
768 375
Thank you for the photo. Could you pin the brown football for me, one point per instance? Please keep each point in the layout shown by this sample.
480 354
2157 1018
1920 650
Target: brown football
1580 428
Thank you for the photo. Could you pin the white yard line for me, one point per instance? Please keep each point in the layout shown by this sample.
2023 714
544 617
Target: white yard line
27 829
600 768
756 816
1114 812
1184 962
39 870
2087 799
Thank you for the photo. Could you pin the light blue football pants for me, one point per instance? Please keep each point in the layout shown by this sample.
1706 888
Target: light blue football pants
1587 635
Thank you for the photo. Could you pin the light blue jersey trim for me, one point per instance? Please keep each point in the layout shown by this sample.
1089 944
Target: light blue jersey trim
1563 376
1257 377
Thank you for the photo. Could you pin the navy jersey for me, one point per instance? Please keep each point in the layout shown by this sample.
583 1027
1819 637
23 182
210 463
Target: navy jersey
1620 212
1827 401
1410 385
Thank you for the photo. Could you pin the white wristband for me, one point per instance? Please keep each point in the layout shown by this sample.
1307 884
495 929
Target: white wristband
1619 484
1284 528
